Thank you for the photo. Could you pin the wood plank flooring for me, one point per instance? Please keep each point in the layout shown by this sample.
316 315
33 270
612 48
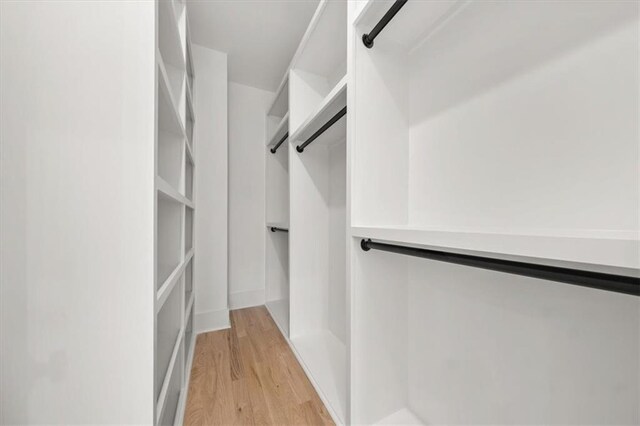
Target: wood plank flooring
248 375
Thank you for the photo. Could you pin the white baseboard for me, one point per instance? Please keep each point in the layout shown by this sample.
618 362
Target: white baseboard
246 299
211 321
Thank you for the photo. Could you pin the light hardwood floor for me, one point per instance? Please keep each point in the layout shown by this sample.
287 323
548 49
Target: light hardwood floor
248 375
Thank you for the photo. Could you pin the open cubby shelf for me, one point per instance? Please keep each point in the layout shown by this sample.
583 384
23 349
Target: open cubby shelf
174 298
188 178
167 191
189 120
188 282
170 42
320 63
188 230
168 108
168 324
169 233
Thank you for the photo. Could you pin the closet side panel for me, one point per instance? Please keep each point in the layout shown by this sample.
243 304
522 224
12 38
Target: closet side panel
211 189
337 242
77 212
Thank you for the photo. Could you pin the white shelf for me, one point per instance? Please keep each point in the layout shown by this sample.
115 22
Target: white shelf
331 105
190 344
169 40
324 358
279 310
190 105
279 132
617 249
188 230
168 111
167 190
189 91
401 417
167 286
173 364
189 307
190 157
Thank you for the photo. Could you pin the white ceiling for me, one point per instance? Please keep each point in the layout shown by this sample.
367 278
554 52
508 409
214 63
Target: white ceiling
260 36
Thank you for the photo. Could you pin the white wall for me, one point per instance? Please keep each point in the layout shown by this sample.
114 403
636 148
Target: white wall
210 267
77 199
247 111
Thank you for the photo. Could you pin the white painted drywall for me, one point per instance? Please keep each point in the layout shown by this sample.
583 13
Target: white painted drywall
77 199
210 263
247 111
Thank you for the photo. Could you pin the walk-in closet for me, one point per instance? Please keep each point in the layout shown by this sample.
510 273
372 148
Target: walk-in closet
320 212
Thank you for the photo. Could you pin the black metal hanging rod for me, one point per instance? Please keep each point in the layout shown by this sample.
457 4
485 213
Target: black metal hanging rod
609 282
367 39
322 129
275 148
275 228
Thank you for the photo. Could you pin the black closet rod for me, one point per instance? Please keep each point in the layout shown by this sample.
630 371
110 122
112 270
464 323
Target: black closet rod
367 39
609 282
322 129
275 228
275 148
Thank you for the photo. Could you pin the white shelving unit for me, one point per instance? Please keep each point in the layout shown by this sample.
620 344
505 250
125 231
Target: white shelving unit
277 208
318 216
175 208
485 127
440 150
306 267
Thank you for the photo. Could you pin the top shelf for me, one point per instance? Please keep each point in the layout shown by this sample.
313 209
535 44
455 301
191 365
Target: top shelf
330 106
323 49
614 250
